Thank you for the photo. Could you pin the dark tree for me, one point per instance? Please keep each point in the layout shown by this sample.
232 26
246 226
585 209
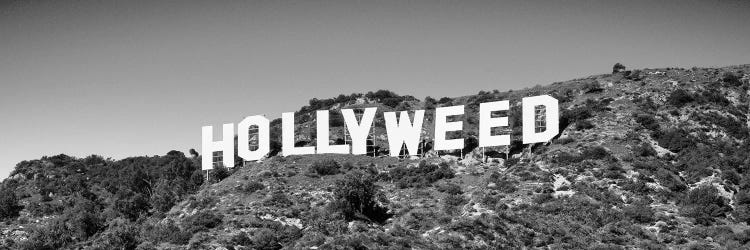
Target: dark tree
618 68
9 207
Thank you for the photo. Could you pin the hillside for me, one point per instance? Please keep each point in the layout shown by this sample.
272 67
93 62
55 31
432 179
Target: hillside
649 158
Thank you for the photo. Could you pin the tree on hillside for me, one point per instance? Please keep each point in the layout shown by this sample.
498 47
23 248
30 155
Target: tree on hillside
9 207
357 198
618 68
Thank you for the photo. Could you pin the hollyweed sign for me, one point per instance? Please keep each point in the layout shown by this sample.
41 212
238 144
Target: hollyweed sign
400 130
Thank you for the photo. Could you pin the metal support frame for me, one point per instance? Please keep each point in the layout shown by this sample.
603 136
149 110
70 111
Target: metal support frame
540 119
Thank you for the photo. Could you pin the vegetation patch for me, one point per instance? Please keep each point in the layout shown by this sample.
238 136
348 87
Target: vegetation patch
420 176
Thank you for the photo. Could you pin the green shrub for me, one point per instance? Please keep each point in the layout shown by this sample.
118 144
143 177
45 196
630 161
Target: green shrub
583 125
713 96
251 187
601 194
202 202
594 153
265 239
450 188
644 150
421 176
614 171
502 183
202 221
592 87
511 162
120 234
634 75
163 197
650 165
445 100
165 231
543 198
278 199
357 197
45 208
325 167
675 140
680 97
731 79
618 68
588 153
240 239
638 187
219 173
452 203
565 140
704 204
9 206
731 126
347 166
53 236
669 180
639 212
648 121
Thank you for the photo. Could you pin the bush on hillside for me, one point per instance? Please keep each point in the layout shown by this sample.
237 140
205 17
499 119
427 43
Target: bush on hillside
734 127
445 100
164 231
278 199
357 197
9 206
639 212
648 121
120 234
219 173
251 187
163 197
452 203
634 75
704 204
680 97
502 183
714 96
450 188
644 150
579 113
731 79
674 140
202 221
583 125
595 152
421 176
669 180
618 68
202 202
325 167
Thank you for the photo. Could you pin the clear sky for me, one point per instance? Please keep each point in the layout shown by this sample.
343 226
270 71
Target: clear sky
130 78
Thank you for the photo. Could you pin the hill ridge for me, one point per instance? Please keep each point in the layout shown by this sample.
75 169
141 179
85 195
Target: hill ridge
649 158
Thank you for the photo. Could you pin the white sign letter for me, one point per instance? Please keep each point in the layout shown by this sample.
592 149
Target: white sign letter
209 146
486 123
552 120
243 137
323 136
287 140
359 132
442 126
404 131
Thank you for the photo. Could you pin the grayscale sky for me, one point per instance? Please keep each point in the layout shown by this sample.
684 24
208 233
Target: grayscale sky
130 78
